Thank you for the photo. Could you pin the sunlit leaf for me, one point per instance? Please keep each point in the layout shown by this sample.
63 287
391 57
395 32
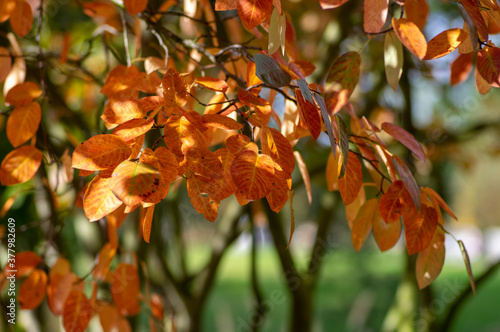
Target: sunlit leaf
472 8
118 112
393 59
5 60
23 123
6 9
391 203
104 259
20 165
135 6
23 94
375 15
386 234
101 152
146 222
133 182
253 174
226 5
461 68
417 12
430 261
200 190
175 88
444 43
237 143
133 128
280 150
99 200
227 186
488 64
21 19
212 83
342 78
411 36
305 174
254 12
362 225
278 195
435 196
309 114
221 121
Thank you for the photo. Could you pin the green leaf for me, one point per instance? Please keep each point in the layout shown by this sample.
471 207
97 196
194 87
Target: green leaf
393 59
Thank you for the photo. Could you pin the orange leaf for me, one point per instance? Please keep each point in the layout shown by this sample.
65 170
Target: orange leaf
482 85
135 6
20 165
6 9
351 210
329 4
32 290
108 316
168 164
5 60
179 135
362 225
472 8
26 262
309 114
175 88
77 312
205 163
57 273
341 81
254 12
61 289
430 261
411 36
444 43
435 197
386 234
253 174
212 83
461 68
409 181
99 200
417 12
23 123
488 64
221 121
239 142
280 150
351 182
203 197
125 289
104 259
149 157
390 203
146 223
227 186
375 15
133 128
331 172
305 174
118 112
420 229
156 305
21 19
101 152
22 94
249 99
292 219
134 182
405 138
226 5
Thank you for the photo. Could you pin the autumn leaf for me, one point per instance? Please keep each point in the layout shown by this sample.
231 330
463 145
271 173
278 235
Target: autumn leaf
6 9
362 225
330 4
21 19
133 182
461 68
277 32
405 138
146 222
23 123
175 88
237 143
118 112
430 261
253 12
393 59
280 150
391 203
352 180
212 83
342 78
444 43
488 64
203 197
386 234
437 198
409 181
20 165
125 289
253 174
23 94
32 290
269 71
226 5
417 11
471 6
133 128
278 196
411 36
135 6
26 262
104 259
101 152
99 200
227 186
305 174
5 60
77 312
221 121
420 229
374 15
309 114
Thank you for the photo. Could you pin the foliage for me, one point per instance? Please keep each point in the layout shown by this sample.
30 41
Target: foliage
160 132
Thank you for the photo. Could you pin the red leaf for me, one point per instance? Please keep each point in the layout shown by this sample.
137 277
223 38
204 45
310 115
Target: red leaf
351 182
472 8
488 64
254 12
405 138
420 229
309 114
135 6
390 205
430 261
253 174
461 68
